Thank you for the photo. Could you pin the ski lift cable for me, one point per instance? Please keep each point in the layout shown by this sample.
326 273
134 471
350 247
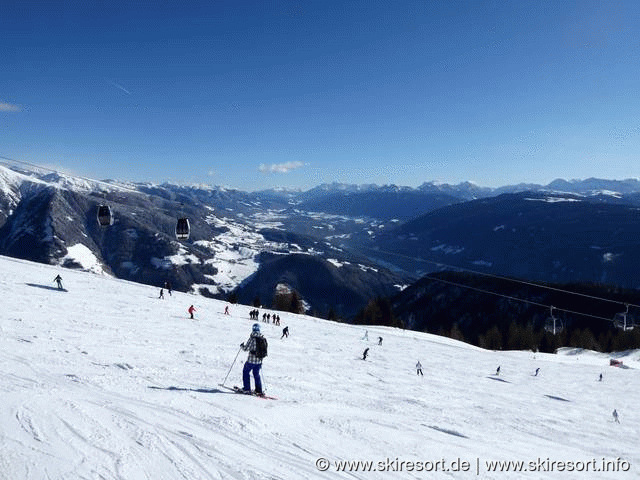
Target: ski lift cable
509 297
499 277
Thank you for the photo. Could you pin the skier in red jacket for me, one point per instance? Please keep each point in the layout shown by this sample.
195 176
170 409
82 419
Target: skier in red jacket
191 310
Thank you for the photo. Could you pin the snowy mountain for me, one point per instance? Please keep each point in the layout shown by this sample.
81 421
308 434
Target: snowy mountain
106 380
51 218
361 239
541 236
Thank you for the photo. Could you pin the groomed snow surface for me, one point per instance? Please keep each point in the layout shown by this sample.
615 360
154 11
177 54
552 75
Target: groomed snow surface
107 381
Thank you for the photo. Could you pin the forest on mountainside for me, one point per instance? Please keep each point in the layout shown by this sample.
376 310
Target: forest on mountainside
505 314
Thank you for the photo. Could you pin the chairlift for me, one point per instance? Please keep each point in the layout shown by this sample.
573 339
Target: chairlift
105 218
182 229
553 324
622 320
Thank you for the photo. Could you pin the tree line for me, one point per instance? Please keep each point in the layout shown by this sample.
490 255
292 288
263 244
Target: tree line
500 314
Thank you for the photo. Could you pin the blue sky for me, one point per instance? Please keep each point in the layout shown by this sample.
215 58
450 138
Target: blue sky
254 95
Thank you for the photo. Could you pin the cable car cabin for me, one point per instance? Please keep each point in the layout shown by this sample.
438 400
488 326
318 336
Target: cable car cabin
105 218
182 229
623 322
553 324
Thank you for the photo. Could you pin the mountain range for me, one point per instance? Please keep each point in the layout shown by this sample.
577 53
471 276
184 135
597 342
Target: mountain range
336 245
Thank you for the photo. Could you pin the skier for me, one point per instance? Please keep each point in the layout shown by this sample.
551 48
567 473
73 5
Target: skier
419 369
191 310
379 340
537 370
365 353
167 285
498 370
600 378
253 363
615 416
226 310
58 280
366 335
161 294
285 332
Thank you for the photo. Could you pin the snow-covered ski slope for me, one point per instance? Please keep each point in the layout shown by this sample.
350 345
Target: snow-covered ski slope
106 381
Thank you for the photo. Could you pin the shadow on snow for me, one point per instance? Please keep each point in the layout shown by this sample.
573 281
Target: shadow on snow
47 287
183 389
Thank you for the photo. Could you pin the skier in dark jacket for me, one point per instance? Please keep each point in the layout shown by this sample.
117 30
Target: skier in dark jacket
253 363
285 332
365 353
58 280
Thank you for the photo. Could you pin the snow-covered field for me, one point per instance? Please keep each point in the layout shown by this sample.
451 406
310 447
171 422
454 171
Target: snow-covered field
106 381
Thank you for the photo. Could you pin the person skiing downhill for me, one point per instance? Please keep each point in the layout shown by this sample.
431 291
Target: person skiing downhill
419 369
161 294
191 310
253 363
365 353
58 280
285 332
498 370
615 416
537 371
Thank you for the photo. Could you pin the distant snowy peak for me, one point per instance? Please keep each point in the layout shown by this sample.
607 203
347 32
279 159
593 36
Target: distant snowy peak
466 190
596 186
589 186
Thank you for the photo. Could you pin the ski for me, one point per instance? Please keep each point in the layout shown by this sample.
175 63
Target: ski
240 391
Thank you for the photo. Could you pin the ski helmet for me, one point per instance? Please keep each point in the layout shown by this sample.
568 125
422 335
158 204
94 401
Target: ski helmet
256 327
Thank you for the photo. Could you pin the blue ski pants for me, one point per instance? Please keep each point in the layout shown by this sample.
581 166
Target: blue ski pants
246 382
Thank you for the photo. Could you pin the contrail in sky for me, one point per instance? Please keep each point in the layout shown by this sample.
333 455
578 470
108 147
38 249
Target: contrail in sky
117 85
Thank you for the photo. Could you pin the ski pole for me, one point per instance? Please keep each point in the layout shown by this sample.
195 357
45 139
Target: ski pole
234 362
264 381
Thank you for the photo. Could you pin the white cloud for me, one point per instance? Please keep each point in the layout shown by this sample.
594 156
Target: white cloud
280 167
9 107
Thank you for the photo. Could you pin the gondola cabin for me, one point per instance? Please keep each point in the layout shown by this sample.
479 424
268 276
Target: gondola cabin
623 321
553 324
105 217
182 229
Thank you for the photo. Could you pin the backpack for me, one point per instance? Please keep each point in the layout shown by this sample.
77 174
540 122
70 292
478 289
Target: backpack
261 347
